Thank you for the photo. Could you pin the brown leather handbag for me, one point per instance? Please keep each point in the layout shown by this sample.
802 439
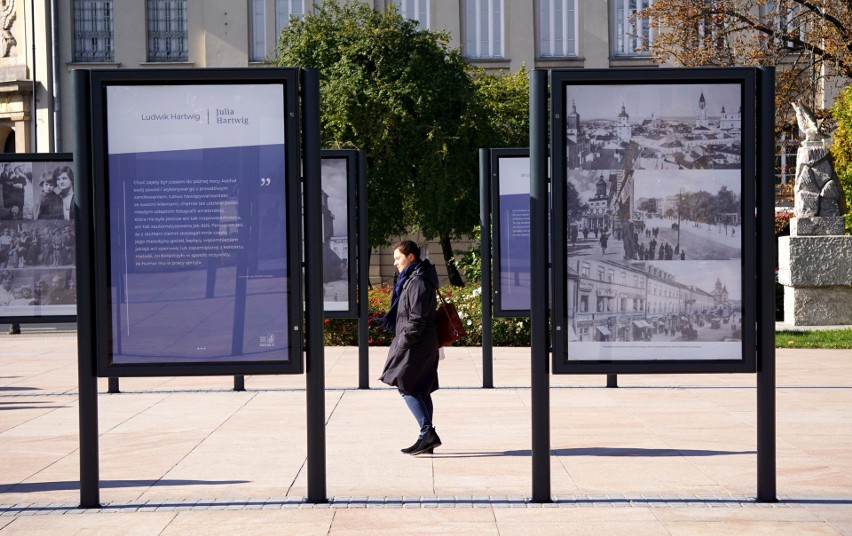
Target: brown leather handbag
450 328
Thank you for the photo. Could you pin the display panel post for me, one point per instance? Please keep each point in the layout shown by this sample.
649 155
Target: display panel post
86 326
485 256
539 358
363 277
315 371
766 430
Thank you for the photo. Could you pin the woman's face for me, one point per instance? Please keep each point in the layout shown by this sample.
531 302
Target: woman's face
63 182
400 260
46 187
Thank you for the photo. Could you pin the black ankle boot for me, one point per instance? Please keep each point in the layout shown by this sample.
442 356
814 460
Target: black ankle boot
428 443
412 448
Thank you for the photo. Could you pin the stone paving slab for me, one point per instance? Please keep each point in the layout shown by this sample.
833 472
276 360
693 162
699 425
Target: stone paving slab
661 454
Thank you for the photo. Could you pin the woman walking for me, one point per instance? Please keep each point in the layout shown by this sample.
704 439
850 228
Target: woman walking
412 363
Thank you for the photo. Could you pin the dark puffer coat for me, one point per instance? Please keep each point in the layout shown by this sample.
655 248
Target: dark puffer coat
412 364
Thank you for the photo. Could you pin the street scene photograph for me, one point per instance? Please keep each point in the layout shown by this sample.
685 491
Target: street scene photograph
659 127
653 302
654 208
675 215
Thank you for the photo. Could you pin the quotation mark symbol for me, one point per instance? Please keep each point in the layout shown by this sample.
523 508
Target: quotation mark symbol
265 181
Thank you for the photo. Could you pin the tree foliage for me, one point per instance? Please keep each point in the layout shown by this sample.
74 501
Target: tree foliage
809 41
504 100
841 149
393 90
402 95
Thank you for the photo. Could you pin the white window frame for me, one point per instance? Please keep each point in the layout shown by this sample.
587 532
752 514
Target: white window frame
258 48
419 10
93 25
265 30
284 10
484 34
627 35
784 20
168 37
558 28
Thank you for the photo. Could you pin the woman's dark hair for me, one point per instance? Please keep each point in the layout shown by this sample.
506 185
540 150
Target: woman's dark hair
407 247
63 169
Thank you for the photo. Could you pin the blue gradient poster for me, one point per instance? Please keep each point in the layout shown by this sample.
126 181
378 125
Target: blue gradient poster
197 214
513 279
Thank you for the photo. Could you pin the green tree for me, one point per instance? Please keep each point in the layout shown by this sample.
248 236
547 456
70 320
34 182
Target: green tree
404 97
841 149
504 100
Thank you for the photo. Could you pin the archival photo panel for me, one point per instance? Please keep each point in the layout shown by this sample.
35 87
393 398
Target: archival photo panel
37 239
198 265
336 239
654 211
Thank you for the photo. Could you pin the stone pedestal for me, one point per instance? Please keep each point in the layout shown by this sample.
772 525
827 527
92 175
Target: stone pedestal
816 272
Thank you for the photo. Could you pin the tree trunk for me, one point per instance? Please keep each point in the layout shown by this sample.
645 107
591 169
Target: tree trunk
452 271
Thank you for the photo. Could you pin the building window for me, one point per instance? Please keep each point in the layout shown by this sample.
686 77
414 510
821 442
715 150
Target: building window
93 31
258 30
557 28
414 10
584 304
785 162
632 32
483 29
284 11
262 45
167 35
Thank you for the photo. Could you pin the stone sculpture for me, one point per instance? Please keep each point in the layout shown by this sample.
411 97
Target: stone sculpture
817 192
815 261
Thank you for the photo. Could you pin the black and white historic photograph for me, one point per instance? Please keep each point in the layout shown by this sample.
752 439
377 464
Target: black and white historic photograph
654 127
654 213
652 301
37 239
36 191
642 215
335 218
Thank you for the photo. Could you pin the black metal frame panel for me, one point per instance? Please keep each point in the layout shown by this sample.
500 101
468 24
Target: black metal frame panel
288 79
350 156
496 156
58 159
561 81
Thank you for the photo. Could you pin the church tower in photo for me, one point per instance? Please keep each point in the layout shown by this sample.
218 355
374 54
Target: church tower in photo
622 127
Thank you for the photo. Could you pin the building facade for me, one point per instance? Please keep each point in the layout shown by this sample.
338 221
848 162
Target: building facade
45 41
42 42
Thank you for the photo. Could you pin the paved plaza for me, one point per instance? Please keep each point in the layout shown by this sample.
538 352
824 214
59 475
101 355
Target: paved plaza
660 454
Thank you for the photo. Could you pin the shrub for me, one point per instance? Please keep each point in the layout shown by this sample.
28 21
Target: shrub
468 301
782 223
841 149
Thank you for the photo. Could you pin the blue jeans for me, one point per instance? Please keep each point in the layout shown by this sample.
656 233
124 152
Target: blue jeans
421 406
